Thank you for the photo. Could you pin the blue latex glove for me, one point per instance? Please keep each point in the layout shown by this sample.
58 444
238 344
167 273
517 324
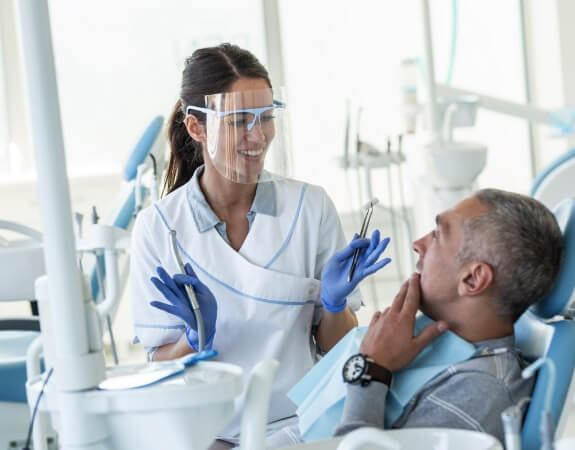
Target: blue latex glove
334 285
174 291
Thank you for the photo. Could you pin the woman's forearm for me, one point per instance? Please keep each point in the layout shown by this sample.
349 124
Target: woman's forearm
174 350
332 327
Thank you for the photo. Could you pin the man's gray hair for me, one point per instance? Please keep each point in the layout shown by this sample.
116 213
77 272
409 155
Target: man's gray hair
521 240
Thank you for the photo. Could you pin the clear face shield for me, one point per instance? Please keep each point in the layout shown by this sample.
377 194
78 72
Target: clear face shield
246 135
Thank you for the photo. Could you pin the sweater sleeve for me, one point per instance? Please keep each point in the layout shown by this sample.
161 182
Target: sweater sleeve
466 400
364 407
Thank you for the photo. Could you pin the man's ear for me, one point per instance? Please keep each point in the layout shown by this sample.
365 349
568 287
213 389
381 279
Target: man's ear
475 278
195 128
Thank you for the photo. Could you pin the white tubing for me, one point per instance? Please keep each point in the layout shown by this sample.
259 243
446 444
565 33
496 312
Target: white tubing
33 369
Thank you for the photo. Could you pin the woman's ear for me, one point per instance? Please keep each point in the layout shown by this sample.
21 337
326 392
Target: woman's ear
195 128
475 278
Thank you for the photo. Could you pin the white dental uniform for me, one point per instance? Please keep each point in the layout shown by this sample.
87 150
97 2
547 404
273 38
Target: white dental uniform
267 292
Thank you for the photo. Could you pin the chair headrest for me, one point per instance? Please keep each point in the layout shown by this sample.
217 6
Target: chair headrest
561 299
142 148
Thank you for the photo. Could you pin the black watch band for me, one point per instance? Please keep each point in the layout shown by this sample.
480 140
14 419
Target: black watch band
361 369
378 373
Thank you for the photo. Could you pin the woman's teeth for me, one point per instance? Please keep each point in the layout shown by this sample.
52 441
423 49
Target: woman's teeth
250 152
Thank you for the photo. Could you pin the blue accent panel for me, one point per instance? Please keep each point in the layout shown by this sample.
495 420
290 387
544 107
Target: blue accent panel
550 168
225 285
292 228
13 347
162 327
122 220
561 353
557 300
142 148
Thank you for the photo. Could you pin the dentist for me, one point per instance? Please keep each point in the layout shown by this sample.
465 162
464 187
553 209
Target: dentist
254 243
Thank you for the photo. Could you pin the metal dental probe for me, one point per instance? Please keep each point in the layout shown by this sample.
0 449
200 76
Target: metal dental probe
191 295
368 207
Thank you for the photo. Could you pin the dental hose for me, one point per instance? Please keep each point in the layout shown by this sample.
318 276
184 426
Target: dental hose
191 296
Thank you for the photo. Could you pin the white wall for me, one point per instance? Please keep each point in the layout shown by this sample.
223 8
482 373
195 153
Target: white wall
338 50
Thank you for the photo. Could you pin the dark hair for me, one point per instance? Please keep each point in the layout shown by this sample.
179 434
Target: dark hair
522 242
208 71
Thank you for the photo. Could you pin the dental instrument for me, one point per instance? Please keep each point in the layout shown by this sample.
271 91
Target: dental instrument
140 375
368 208
191 295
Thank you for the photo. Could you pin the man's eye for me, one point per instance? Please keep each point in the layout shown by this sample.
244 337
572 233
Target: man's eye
435 234
266 119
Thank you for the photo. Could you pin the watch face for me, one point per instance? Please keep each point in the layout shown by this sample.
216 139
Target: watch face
354 368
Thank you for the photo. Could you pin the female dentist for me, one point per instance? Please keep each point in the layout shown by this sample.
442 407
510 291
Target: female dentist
254 243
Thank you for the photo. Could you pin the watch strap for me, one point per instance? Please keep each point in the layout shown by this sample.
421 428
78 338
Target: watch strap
378 373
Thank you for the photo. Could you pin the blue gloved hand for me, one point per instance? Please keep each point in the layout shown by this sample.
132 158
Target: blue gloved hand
334 285
174 291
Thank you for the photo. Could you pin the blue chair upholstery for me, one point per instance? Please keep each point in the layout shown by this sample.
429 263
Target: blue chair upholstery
142 148
13 346
124 215
555 182
22 262
546 330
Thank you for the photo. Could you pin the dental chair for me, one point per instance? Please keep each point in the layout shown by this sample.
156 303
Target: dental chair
147 156
555 182
547 330
22 261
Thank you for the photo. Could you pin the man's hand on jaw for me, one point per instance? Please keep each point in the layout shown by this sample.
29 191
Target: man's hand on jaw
389 340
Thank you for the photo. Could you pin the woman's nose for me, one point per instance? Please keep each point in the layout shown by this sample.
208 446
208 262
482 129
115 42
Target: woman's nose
256 133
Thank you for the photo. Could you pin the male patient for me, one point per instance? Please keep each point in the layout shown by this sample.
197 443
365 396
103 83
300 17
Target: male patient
487 260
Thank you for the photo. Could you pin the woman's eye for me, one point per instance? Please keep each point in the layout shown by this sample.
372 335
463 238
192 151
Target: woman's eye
238 123
435 234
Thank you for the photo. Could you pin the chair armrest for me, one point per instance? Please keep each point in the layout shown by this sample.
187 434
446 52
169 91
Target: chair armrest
20 323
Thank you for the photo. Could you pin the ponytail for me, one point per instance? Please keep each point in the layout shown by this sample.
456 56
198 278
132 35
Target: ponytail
186 153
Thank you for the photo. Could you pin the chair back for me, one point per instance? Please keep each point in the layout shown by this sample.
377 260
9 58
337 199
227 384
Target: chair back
547 330
555 182
124 212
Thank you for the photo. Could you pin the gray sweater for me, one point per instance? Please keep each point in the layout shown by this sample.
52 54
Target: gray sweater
469 395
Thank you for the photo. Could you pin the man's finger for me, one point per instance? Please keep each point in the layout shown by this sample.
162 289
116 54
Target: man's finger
374 317
399 298
412 298
429 333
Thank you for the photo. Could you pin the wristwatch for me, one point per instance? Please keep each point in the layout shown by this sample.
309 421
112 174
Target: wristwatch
360 369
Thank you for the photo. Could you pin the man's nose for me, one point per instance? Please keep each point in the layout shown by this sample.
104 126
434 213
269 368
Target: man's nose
419 245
